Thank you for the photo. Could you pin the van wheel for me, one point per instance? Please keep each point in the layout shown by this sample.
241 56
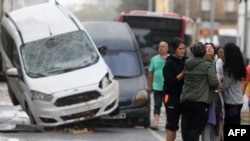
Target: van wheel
12 96
32 120
147 123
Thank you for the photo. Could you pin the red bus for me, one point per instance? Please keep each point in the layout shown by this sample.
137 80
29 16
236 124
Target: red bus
150 28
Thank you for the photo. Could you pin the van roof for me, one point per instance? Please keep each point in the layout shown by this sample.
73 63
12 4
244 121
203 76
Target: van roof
113 34
41 21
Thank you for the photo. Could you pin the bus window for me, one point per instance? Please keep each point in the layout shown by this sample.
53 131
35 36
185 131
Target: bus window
150 28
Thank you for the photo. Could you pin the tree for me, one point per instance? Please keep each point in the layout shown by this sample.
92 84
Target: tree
96 13
127 5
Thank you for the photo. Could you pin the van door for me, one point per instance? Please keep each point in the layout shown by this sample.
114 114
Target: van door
13 82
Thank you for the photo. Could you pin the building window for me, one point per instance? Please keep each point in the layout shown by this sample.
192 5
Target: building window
205 5
230 6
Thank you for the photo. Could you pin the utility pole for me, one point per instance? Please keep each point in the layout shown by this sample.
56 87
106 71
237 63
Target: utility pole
150 5
187 7
212 5
171 6
245 29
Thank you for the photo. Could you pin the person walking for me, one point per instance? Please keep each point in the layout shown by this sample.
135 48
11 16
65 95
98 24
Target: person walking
155 80
232 83
173 82
200 81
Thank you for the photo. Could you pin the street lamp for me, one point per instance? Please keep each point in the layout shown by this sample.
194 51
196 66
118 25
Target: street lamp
245 29
212 20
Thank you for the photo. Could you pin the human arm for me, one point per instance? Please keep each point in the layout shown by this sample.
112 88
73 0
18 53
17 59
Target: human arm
246 81
171 75
150 78
212 78
244 86
227 81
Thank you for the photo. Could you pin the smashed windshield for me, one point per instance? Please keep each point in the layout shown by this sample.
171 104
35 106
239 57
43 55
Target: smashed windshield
58 54
123 63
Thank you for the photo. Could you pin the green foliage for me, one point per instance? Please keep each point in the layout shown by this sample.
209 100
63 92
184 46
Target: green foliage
127 5
96 13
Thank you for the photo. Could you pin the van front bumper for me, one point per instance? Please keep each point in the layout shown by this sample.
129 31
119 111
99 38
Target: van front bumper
59 111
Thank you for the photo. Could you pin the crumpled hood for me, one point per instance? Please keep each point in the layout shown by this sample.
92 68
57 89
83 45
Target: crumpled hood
193 61
88 76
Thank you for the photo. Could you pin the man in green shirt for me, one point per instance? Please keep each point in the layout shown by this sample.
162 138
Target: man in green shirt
155 80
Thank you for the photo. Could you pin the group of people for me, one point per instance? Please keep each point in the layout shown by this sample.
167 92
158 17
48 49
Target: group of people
205 90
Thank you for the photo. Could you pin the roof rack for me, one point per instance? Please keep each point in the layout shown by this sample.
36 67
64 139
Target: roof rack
66 11
18 30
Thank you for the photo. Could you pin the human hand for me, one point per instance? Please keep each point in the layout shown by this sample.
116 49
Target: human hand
180 76
149 89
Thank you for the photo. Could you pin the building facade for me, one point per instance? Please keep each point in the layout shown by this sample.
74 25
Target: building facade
210 16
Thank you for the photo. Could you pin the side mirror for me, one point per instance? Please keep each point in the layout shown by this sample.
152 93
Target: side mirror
102 49
12 72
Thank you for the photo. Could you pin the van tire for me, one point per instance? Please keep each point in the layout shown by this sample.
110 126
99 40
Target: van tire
12 96
147 123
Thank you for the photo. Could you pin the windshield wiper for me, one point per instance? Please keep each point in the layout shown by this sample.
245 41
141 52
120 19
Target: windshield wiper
65 70
60 70
32 74
122 76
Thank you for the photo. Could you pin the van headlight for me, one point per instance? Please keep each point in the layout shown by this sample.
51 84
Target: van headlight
141 98
105 82
35 95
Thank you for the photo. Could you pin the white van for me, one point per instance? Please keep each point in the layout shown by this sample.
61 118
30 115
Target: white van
53 68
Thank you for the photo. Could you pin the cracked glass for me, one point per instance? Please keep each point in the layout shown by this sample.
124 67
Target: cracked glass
58 54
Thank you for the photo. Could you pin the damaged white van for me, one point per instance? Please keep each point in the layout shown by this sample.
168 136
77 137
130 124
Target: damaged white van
52 67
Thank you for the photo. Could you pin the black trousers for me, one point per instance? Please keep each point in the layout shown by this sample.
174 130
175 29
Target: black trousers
233 114
193 120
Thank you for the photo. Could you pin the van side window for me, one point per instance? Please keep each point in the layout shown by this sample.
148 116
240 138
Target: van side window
7 42
10 48
4 38
15 59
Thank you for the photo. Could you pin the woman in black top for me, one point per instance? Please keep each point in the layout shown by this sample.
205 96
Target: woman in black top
173 82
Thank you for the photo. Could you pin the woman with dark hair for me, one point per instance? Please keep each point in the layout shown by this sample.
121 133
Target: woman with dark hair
173 81
198 91
231 85
212 130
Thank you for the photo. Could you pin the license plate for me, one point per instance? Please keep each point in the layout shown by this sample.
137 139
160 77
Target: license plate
118 116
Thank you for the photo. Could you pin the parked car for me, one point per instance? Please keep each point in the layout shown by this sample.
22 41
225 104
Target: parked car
53 68
120 51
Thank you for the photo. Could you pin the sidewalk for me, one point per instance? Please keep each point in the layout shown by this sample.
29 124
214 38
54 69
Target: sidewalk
245 117
10 115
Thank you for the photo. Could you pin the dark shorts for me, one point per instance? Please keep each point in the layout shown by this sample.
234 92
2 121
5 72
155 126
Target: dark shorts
158 98
173 112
